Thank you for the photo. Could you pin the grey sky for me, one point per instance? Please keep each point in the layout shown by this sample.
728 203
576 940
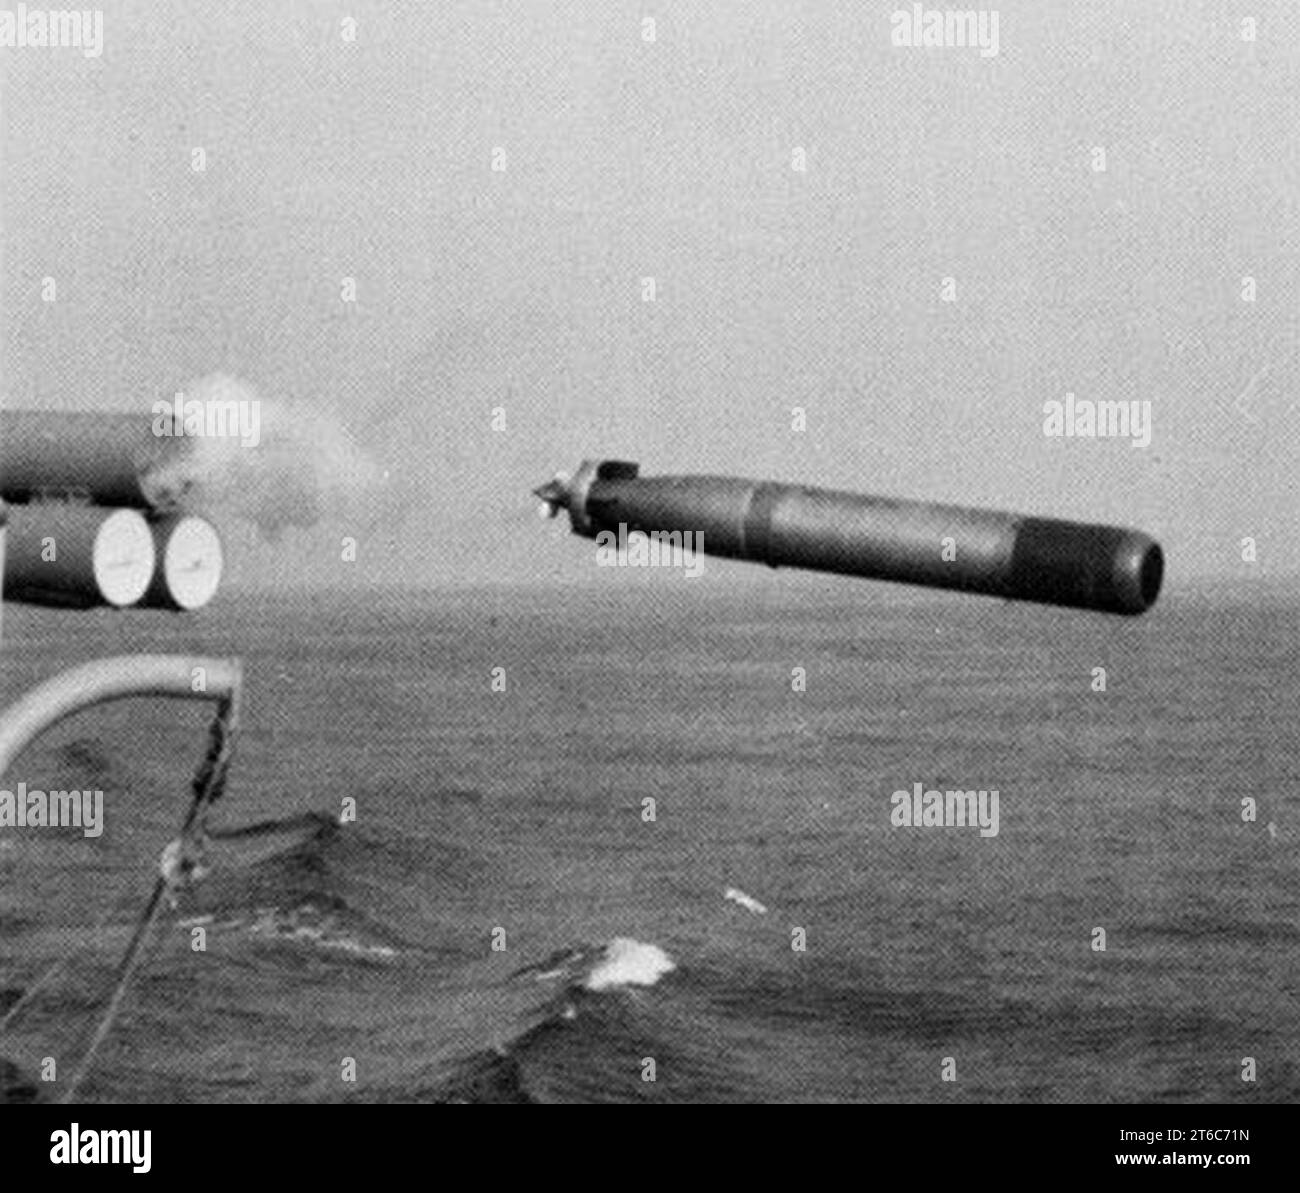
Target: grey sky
672 159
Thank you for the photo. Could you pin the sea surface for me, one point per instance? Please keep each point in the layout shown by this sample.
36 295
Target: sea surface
649 754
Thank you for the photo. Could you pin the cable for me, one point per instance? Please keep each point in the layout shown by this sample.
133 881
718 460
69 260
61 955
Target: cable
37 986
208 785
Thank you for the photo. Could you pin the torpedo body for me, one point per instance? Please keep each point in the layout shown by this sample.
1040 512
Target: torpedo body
1047 560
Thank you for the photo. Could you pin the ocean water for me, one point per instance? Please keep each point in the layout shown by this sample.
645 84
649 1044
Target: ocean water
520 817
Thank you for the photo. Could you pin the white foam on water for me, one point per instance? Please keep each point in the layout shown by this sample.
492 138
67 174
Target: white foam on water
627 962
194 921
269 923
745 901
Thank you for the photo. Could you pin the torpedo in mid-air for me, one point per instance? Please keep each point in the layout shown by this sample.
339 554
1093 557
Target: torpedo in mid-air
1054 562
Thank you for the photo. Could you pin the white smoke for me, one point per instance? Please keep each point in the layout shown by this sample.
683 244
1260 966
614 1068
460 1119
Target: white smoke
303 465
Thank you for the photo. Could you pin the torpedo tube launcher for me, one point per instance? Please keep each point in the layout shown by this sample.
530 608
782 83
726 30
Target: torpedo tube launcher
1053 562
108 459
93 509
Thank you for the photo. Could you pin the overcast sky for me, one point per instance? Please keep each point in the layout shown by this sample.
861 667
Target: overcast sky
774 288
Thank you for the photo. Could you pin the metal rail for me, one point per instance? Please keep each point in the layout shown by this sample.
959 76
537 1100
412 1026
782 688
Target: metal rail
112 679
